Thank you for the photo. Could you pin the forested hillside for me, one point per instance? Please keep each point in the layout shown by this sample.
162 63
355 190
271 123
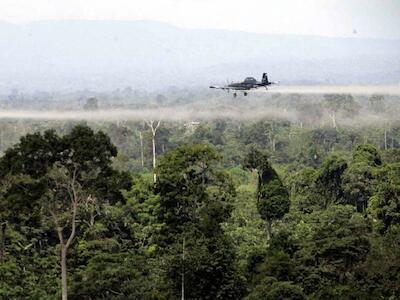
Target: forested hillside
302 203
106 55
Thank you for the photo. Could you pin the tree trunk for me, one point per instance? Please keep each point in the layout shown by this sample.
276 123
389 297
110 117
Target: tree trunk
92 214
183 269
154 158
333 117
154 131
64 283
72 188
3 241
141 148
268 229
385 137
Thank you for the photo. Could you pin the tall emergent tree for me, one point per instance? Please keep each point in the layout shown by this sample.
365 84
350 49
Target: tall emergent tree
272 196
65 172
154 128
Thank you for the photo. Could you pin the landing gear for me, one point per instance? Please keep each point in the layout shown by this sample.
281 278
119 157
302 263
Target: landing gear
235 94
245 94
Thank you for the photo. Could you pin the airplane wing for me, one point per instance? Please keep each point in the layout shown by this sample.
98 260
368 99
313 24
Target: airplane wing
220 87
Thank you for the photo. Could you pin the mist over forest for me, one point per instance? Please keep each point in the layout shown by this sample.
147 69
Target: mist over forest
124 177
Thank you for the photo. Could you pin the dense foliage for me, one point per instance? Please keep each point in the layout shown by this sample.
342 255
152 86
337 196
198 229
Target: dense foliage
268 209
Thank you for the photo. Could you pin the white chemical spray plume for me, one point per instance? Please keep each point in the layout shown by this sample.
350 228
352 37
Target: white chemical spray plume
336 89
166 114
235 110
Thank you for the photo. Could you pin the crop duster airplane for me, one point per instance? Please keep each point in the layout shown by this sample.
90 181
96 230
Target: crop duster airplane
248 84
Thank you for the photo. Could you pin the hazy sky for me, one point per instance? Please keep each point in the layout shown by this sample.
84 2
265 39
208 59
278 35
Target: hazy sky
363 18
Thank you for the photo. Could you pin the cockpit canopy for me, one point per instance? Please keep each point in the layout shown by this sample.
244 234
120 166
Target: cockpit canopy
250 80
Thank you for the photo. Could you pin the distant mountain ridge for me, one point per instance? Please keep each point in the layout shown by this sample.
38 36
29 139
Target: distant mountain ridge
104 55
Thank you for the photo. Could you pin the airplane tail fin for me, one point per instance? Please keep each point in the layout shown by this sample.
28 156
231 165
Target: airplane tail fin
264 78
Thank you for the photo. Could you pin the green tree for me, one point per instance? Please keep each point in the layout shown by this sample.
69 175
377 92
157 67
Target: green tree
385 203
379 276
360 176
303 191
259 133
329 179
338 244
272 196
285 291
195 198
367 154
64 172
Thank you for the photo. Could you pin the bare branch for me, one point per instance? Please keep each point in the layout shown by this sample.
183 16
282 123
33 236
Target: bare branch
58 227
158 125
73 224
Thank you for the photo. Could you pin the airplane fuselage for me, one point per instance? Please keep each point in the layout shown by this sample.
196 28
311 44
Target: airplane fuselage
248 84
